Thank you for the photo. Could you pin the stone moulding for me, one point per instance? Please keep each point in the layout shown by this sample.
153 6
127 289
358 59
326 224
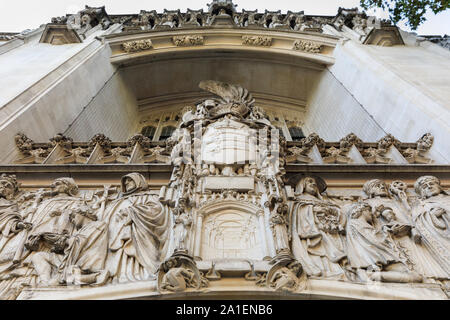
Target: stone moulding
185 41
137 45
257 41
307 46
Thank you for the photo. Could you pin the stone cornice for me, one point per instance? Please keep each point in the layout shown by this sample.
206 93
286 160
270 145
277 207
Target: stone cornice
293 168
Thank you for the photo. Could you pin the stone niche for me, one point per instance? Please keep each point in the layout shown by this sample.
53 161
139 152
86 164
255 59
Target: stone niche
231 234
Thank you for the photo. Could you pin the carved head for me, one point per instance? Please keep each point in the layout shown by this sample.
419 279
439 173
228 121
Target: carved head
427 186
398 186
361 209
133 182
375 188
388 215
81 215
312 185
8 186
65 185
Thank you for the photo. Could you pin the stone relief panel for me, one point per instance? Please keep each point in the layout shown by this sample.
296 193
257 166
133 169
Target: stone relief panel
231 235
228 200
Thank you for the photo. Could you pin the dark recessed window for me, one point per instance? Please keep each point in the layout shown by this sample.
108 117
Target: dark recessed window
166 133
296 133
148 131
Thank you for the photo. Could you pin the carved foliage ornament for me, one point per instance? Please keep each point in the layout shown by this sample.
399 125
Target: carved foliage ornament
307 46
185 41
257 41
137 45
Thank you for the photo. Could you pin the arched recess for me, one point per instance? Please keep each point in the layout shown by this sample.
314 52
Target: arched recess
164 76
232 229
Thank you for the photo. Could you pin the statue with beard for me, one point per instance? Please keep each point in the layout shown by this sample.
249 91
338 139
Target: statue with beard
138 231
431 215
11 222
318 228
372 255
50 218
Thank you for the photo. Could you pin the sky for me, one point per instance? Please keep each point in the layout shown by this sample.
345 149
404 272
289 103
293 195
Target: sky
18 15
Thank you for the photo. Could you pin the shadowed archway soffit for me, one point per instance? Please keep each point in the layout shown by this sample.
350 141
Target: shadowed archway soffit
289 47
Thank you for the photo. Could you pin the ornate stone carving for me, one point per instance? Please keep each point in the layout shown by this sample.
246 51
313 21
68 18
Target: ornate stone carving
185 41
317 228
257 41
378 155
431 217
419 154
194 18
179 273
170 19
371 255
137 45
307 46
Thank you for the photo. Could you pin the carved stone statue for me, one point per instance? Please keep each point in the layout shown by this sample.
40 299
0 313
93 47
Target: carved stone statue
317 230
370 253
50 217
83 257
182 223
138 230
177 278
11 223
286 278
431 215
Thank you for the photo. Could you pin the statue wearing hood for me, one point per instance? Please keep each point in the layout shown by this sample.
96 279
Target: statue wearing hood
138 231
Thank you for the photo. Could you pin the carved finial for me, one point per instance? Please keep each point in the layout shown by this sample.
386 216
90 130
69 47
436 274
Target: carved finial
387 141
139 138
62 140
349 140
23 143
425 142
102 140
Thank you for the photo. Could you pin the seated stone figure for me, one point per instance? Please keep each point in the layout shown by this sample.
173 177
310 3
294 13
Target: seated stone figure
372 255
83 259
177 278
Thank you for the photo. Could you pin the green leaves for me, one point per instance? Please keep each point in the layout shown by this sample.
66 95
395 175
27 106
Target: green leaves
413 11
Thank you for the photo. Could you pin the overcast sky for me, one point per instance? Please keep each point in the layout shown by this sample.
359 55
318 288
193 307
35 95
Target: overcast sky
18 15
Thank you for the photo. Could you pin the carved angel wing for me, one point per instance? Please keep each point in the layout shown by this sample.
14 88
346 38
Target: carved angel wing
228 92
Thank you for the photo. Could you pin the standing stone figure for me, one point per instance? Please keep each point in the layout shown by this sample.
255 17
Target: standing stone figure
318 228
11 222
431 215
182 223
393 218
138 231
370 253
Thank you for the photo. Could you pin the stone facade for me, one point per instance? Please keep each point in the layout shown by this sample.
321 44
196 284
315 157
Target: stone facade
227 186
